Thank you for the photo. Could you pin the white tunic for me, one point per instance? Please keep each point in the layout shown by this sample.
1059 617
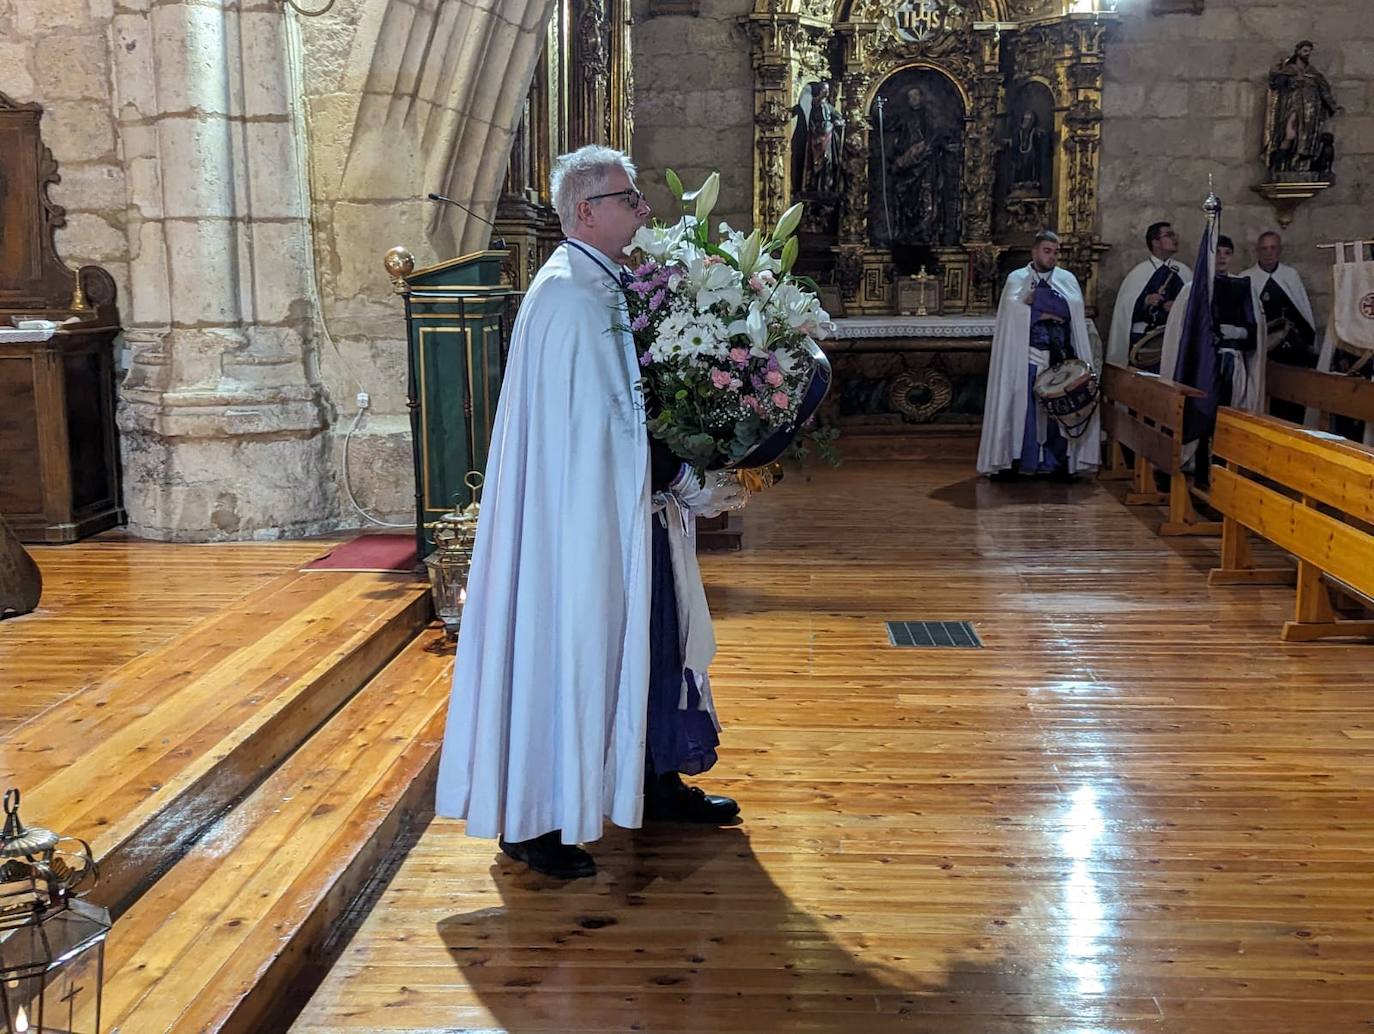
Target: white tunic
1119 339
546 725
1004 410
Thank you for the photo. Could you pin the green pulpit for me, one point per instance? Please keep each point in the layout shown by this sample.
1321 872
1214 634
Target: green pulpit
458 320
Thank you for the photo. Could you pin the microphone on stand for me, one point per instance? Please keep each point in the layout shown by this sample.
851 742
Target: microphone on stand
498 244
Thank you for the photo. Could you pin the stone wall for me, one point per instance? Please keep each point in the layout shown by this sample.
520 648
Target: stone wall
694 105
1185 96
56 52
180 129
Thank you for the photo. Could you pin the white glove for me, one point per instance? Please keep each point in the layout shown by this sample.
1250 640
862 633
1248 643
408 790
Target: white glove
722 491
1230 332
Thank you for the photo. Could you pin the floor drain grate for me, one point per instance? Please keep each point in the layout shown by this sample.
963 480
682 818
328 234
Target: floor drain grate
957 634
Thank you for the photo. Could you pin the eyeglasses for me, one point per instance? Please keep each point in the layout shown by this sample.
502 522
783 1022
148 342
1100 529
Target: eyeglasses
633 198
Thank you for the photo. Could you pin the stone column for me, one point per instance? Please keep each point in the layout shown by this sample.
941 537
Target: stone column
221 411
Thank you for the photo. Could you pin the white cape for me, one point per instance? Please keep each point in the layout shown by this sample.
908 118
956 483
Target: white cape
1292 285
546 725
1004 411
1119 339
1247 383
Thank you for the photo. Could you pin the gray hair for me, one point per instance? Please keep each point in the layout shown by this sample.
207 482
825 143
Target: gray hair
582 174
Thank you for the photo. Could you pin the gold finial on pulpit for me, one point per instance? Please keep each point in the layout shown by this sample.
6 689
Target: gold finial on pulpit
399 263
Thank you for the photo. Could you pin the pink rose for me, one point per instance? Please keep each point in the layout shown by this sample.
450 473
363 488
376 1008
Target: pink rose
773 377
750 401
720 378
781 400
739 356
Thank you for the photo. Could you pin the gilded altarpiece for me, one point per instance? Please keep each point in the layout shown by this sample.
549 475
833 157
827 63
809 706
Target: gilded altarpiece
582 93
938 133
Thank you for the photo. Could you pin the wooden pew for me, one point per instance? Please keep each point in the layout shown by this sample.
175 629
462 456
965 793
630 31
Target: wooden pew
1145 414
1327 521
1328 393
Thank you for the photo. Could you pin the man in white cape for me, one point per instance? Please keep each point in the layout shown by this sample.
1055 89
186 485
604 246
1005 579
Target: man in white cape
1041 313
1287 313
1244 358
1284 295
1147 296
549 718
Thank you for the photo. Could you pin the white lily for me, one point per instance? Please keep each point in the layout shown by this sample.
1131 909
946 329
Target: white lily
754 326
715 281
706 196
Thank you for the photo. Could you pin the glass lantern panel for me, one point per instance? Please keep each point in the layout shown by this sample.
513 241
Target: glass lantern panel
51 972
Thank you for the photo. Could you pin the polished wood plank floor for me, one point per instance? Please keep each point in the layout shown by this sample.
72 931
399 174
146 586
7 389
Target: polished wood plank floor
1135 810
111 598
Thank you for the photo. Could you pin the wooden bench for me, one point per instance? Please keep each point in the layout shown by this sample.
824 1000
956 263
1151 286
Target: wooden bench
1145 414
1309 493
1327 393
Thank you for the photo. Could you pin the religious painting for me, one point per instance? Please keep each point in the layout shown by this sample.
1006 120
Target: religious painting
916 160
1025 173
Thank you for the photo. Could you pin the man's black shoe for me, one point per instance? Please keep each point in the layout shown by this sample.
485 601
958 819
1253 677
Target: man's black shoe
1003 476
549 855
1063 477
669 799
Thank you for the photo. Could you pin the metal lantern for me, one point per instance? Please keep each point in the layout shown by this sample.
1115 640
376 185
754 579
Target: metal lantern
52 944
450 563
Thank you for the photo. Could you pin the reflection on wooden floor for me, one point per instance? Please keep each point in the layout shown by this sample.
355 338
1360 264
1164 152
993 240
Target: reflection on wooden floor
1135 810
111 598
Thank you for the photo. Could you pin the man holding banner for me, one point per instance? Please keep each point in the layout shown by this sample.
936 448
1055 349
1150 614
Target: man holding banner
1216 339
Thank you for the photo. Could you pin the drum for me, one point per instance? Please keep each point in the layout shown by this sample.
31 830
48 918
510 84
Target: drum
1148 351
1068 391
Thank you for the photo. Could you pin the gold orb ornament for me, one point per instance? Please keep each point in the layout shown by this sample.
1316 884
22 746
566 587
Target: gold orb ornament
399 263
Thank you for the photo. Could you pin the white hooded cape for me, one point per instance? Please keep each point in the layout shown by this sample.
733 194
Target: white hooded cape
1004 411
1247 384
1292 285
546 725
1119 340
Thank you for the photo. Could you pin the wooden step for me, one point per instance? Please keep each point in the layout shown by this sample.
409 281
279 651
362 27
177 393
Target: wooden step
221 941
141 761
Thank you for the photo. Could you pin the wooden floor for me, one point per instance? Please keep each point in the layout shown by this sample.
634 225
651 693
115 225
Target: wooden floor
111 598
1135 810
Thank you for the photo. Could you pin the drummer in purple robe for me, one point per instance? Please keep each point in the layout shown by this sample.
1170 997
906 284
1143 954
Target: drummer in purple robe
1040 324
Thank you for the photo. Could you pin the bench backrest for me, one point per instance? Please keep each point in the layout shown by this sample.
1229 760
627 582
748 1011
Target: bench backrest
1321 469
1145 413
1351 397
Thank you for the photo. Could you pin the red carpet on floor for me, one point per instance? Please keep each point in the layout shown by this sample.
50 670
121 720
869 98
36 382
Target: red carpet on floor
369 553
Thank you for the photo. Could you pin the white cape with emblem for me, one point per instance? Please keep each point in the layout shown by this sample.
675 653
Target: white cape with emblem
1286 277
1119 338
546 725
1004 411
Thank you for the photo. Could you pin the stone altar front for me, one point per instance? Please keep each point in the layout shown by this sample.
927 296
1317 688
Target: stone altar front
904 374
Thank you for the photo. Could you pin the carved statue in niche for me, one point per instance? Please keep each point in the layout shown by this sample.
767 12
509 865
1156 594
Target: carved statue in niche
1029 154
817 144
916 160
1297 145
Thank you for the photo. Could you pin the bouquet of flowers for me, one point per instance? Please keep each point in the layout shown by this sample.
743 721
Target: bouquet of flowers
726 338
